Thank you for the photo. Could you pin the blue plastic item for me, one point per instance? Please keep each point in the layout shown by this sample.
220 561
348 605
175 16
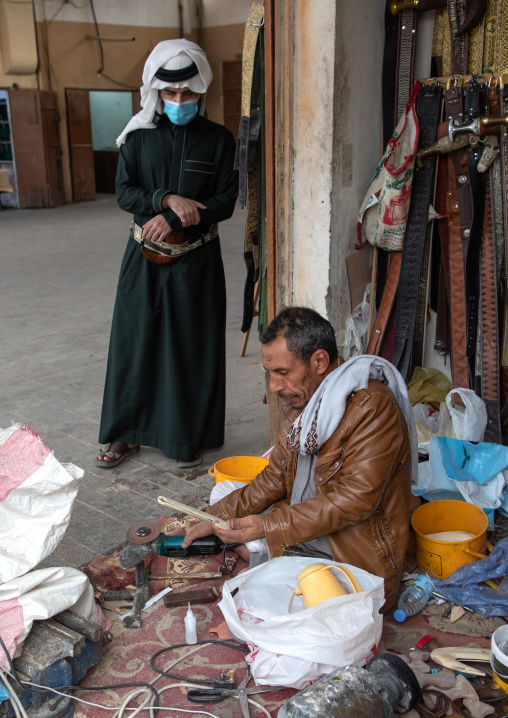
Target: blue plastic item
465 461
465 586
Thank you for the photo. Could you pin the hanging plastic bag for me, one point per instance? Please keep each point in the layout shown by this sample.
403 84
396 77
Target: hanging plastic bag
465 585
469 421
383 215
289 644
428 385
356 328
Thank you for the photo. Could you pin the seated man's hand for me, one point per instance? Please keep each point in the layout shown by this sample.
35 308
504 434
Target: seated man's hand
203 528
242 530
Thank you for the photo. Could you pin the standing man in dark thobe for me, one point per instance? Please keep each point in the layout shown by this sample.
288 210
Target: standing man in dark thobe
165 381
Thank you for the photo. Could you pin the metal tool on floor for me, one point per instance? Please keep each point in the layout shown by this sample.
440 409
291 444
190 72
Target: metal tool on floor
216 695
386 686
58 652
146 540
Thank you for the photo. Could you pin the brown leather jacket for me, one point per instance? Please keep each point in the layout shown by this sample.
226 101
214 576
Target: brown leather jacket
362 477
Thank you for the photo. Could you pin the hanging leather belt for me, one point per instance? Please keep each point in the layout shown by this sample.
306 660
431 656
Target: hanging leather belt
459 39
458 209
472 261
428 111
489 337
503 142
442 341
401 22
457 282
454 105
420 326
386 306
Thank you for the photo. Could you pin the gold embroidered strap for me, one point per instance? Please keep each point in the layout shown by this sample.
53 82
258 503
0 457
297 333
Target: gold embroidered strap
250 120
488 40
174 250
254 22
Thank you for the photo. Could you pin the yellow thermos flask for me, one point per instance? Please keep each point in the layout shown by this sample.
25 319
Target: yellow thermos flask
317 584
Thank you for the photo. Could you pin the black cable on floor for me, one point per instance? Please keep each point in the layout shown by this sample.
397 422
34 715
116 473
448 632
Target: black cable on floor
226 546
204 681
63 689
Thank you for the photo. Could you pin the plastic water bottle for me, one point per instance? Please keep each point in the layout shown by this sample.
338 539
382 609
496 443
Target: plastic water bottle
414 598
190 627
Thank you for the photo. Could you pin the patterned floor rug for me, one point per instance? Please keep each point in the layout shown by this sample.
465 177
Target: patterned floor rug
127 659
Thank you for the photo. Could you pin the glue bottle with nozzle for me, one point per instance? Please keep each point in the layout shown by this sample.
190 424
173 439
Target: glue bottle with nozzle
190 627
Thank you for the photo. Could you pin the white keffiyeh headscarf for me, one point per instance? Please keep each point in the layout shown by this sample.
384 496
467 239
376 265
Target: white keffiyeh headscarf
325 410
168 55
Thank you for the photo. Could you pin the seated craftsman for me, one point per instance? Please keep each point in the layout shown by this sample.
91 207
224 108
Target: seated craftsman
338 482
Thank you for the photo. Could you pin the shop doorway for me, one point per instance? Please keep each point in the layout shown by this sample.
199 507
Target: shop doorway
95 119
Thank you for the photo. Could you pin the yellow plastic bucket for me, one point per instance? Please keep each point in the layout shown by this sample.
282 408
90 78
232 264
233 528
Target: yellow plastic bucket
238 468
443 557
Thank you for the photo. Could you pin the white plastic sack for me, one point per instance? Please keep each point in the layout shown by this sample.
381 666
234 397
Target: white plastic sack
36 497
469 422
39 595
294 649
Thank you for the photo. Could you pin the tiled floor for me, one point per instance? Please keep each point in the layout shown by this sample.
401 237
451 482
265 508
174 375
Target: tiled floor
58 278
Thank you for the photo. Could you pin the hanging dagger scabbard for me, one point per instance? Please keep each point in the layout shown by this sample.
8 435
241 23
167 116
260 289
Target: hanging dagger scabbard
490 152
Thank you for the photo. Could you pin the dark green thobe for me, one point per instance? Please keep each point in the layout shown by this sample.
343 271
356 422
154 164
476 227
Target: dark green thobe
165 381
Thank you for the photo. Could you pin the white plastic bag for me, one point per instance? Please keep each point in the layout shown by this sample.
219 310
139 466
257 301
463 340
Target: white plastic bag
469 422
36 497
294 649
356 328
39 595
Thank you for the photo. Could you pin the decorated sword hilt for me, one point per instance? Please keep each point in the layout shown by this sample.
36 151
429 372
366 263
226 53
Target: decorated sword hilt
396 6
479 127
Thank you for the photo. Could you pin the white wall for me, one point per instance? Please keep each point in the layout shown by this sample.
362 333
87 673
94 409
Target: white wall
145 13
224 12
148 13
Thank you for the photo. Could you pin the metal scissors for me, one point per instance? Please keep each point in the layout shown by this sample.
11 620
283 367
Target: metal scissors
215 695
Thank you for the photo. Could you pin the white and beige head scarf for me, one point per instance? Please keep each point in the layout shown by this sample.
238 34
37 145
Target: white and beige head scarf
172 63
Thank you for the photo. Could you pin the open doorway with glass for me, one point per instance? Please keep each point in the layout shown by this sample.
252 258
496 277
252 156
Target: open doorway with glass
95 119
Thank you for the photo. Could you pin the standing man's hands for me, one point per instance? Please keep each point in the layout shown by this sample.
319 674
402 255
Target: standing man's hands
186 209
156 229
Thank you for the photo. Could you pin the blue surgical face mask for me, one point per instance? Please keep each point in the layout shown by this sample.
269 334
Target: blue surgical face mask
181 113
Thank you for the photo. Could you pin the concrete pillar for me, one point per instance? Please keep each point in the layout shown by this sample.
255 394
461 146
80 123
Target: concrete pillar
330 141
